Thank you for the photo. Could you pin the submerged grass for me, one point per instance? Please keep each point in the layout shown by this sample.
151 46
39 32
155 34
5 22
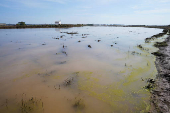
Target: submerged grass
31 105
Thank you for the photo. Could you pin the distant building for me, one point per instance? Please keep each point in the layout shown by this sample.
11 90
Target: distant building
2 24
57 22
21 23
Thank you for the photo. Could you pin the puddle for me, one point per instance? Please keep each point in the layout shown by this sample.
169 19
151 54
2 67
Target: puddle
86 70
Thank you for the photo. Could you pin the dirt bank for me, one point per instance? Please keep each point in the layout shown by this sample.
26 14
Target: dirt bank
160 99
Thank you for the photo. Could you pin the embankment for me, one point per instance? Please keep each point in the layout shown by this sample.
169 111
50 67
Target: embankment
160 98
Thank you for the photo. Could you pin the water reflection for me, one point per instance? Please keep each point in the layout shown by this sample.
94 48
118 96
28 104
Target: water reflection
57 29
65 75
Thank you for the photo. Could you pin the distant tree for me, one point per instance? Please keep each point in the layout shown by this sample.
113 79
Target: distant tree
21 23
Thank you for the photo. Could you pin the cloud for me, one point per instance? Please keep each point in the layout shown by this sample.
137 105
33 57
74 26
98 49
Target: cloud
135 7
58 1
163 1
84 14
98 1
160 11
28 3
36 3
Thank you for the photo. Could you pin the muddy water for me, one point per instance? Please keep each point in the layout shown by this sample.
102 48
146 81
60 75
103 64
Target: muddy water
49 71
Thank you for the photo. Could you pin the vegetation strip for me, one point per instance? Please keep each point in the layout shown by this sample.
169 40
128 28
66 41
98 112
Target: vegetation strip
40 26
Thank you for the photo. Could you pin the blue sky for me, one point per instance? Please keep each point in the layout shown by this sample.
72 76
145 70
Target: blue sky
148 12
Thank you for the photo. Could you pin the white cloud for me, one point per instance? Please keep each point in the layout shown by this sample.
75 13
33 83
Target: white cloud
98 1
58 1
163 1
29 3
36 3
135 7
160 11
84 14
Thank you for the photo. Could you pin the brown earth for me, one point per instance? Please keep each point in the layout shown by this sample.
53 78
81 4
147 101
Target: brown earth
160 99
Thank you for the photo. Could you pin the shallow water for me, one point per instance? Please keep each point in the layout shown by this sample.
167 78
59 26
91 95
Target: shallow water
38 74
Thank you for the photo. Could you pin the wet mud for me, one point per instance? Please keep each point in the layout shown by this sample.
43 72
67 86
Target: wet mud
160 99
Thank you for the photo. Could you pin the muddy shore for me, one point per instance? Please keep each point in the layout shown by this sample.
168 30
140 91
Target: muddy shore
160 98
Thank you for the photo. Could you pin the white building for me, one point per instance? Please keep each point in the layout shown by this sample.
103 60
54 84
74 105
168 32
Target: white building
57 22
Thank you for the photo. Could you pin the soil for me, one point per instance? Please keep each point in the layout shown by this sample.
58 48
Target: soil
160 99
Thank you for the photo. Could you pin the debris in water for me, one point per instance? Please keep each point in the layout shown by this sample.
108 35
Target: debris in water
63 62
89 46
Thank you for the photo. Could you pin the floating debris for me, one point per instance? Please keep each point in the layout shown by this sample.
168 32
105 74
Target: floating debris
68 81
55 38
63 62
64 52
72 32
64 46
63 32
84 34
62 36
89 46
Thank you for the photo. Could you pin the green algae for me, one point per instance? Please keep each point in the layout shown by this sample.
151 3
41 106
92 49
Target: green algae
128 90
113 94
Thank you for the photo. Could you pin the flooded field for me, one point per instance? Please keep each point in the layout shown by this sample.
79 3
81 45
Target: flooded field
76 70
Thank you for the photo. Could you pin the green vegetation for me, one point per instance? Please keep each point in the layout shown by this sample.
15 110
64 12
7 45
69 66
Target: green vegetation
165 31
151 84
160 44
157 53
21 23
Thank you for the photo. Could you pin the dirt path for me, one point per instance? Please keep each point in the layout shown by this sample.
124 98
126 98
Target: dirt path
160 99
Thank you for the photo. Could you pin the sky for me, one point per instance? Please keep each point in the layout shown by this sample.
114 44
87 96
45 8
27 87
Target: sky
128 12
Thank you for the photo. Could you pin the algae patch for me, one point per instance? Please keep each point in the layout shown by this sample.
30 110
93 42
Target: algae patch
114 94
